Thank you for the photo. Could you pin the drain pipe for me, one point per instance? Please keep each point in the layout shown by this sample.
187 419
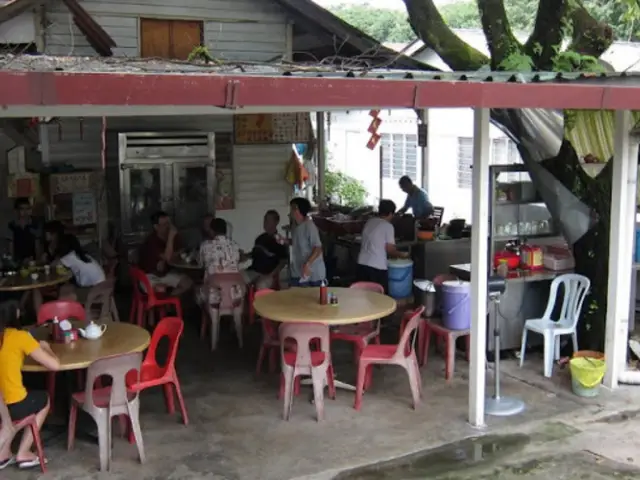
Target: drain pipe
631 377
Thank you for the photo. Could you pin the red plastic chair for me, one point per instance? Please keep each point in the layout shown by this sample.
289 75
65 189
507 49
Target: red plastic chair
9 428
252 297
403 354
360 334
63 309
145 298
270 340
154 375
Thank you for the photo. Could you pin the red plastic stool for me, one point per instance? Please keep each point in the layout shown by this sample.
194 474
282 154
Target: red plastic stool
434 325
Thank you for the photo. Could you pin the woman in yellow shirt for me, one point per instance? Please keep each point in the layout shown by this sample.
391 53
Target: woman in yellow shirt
15 346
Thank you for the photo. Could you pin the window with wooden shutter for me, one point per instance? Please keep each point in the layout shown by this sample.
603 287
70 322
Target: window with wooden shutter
170 39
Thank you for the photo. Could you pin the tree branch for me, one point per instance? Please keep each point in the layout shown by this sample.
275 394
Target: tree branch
590 36
547 35
430 27
495 24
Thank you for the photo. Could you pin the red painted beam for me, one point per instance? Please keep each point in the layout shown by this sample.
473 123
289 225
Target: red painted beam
102 89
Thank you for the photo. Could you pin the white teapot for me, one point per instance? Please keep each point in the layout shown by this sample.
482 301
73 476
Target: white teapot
93 331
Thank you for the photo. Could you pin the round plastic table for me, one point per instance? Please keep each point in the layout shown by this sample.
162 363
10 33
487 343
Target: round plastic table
301 305
118 339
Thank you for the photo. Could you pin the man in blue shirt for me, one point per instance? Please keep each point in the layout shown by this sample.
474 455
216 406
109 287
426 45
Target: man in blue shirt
417 199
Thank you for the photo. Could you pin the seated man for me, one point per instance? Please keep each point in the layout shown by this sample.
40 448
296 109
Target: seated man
269 254
157 250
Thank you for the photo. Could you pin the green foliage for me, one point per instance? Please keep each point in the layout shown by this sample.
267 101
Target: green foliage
350 190
382 24
622 15
201 54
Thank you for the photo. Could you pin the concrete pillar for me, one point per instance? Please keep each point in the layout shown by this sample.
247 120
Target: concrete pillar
623 212
479 265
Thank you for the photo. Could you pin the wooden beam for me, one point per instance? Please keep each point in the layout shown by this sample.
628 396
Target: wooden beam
18 133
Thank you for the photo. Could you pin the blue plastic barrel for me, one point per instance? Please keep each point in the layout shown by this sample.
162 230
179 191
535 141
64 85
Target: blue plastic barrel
456 305
400 278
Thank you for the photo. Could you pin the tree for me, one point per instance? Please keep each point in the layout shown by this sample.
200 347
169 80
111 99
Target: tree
522 15
589 36
382 24
350 190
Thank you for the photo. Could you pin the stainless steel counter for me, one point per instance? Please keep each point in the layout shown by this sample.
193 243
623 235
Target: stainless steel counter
526 297
464 270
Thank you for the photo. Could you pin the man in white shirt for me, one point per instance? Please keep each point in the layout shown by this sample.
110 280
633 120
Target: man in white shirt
378 243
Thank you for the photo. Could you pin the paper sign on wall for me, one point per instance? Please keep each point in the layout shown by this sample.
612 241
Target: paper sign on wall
84 208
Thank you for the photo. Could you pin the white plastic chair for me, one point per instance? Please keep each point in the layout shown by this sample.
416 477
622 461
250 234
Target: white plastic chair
575 288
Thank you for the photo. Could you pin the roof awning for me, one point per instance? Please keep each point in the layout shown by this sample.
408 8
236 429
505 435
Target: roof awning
36 93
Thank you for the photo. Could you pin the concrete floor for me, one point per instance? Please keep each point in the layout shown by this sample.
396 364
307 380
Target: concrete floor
236 430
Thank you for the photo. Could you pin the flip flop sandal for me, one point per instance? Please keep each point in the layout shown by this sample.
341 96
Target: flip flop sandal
31 463
7 463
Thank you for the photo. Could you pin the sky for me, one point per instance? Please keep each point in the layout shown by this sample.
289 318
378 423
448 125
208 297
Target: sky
394 4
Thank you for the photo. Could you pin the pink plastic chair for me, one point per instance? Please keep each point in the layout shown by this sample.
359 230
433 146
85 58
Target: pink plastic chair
403 354
63 310
270 339
360 334
105 403
9 429
303 361
223 282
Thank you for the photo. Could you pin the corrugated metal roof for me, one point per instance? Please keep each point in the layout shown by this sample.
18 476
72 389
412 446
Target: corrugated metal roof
46 63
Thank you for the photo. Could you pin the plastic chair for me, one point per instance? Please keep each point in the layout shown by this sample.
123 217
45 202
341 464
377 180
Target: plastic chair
446 336
63 309
9 429
105 403
154 375
145 298
403 354
270 338
360 334
252 297
575 288
303 361
223 282
102 296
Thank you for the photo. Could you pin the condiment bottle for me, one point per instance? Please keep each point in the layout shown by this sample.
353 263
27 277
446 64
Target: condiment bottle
323 293
56 329
503 268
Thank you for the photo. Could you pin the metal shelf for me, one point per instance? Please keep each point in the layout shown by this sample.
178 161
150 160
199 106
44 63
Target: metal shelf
507 203
506 238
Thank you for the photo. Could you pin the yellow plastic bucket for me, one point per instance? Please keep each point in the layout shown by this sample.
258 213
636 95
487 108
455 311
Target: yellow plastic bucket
587 372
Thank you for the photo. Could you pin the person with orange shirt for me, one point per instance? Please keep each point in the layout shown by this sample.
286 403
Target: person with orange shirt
15 346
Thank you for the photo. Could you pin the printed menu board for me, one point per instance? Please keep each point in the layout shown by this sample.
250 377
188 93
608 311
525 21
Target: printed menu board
276 128
84 208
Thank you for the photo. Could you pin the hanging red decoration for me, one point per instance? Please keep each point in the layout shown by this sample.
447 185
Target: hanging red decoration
373 141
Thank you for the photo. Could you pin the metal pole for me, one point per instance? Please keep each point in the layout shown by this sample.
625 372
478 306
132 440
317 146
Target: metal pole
322 156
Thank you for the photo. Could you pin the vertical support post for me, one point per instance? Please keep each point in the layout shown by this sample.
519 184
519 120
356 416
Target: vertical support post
479 265
619 287
321 139
423 117
380 174
45 145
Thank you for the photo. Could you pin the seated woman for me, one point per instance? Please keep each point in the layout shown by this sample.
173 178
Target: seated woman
219 255
15 345
86 271
53 233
